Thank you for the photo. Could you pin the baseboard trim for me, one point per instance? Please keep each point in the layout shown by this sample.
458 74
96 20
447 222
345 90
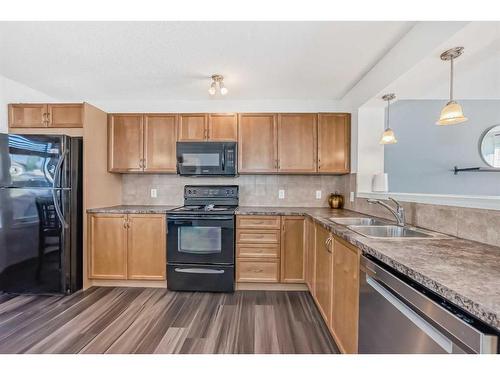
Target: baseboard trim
129 283
272 286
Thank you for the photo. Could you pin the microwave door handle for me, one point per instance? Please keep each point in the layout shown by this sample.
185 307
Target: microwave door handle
223 157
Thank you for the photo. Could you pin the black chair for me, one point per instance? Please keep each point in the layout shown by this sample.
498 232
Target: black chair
49 227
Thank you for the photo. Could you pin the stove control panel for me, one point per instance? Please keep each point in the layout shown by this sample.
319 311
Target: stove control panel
211 191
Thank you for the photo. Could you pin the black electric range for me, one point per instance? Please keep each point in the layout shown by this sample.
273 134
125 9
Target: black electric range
201 238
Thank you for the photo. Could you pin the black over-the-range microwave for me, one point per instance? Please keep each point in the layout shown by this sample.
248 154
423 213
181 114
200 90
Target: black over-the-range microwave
207 158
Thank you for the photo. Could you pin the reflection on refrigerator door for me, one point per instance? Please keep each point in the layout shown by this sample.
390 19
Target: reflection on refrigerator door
33 235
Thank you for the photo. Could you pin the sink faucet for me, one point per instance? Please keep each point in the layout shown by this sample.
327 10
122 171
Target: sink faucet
399 212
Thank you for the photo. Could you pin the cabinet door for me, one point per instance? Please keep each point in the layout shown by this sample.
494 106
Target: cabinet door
28 115
297 150
223 127
310 254
323 273
292 249
107 246
334 137
125 143
65 115
257 136
192 127
345 296
147 247
160 137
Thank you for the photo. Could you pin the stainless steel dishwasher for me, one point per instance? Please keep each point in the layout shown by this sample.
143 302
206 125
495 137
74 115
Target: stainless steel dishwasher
397 315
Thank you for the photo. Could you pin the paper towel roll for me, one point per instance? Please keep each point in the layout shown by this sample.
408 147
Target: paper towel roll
380 183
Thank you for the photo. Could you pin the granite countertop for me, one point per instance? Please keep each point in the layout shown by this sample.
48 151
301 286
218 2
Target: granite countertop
132 209
464 272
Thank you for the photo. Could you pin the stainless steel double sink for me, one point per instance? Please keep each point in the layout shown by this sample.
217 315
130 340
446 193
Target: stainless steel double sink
376 228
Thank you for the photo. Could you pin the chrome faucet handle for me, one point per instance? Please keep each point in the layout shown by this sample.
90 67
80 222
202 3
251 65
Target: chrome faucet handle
398 205
373 201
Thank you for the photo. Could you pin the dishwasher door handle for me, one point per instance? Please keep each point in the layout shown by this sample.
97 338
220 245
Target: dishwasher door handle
440 339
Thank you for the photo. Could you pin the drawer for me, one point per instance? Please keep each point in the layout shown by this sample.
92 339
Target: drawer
257 271
258 250
258 222
257 236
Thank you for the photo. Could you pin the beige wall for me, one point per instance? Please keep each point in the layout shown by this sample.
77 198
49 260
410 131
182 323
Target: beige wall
254 190
469 223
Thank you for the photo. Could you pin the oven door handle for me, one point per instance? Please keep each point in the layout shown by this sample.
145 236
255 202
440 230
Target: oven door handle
199 270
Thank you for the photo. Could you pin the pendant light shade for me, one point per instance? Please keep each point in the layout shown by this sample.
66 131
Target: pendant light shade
452 113
388 136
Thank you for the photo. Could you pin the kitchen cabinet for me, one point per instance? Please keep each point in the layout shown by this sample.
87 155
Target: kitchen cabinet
258 255
292 249
125 142
222 127
297 149
107 246
334 142
146 255
257 142
192 127
323 272
310 245
46 115
345 296
142 143
160 135
127 246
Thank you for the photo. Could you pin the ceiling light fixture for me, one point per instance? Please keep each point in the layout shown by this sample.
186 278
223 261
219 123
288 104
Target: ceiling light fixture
388 136
217 83
452 112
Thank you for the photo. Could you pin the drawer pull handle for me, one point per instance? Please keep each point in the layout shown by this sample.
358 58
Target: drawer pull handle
257 270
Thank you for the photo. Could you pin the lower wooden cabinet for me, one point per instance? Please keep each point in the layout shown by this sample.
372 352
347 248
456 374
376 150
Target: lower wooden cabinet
292 249
345 296
257 270
323 272
310 249
125 246
108 246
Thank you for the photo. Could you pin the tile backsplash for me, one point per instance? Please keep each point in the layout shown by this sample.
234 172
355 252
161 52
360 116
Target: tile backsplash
255 190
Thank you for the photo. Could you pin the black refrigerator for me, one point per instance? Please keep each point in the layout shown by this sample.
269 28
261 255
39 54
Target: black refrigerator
40 214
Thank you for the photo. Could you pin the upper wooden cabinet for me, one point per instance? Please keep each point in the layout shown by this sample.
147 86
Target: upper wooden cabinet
46 115
292 249
125 143
345 296
334 137
222 127
65 115
297 142
160 135
142 143
257 142
193 127
208 127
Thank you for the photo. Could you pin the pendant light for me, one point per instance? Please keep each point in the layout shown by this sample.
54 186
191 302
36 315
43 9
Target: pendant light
217 83
388 136
452 112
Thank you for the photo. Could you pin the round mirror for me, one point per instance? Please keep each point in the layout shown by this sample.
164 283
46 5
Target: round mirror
490 146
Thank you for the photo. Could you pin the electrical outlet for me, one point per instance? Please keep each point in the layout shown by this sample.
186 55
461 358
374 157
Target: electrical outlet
154 193
351 196
318 194
281 194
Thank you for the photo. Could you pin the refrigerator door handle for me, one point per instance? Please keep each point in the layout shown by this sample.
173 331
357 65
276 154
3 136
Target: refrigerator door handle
57 174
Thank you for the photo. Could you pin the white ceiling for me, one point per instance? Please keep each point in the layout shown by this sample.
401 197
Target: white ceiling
173 60
477 71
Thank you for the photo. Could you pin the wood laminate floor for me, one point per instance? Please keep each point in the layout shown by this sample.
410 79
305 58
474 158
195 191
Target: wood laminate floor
144 320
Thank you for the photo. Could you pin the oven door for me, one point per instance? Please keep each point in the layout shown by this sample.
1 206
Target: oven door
206 158
204 239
